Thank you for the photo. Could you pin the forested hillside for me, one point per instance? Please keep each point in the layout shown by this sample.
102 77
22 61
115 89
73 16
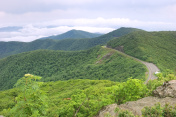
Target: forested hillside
73 34
156 47
80 97
66 97
96 63
10 48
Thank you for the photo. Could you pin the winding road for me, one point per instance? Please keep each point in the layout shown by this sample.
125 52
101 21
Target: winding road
152 68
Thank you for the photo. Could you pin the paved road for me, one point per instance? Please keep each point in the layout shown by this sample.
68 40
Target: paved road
152 68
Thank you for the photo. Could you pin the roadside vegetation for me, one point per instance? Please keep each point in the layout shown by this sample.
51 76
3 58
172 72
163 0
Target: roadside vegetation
156 47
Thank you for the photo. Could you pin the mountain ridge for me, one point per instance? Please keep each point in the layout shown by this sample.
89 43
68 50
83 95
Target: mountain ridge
156 47
73 34
95 63
7 48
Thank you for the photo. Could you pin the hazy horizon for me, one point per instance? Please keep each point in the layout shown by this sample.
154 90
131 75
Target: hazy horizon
43 18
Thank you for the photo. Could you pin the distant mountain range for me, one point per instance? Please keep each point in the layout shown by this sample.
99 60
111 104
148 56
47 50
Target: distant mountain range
10 48
73 34
156 47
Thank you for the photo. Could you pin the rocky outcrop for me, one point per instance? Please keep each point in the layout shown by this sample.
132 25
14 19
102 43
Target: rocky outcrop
136 106
168 89
165 94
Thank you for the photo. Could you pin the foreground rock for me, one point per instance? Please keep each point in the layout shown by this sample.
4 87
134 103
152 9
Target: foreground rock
165 94
168 89
136 106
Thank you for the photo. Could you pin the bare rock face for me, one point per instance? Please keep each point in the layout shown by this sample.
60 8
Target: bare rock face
165 94
168 89
136 106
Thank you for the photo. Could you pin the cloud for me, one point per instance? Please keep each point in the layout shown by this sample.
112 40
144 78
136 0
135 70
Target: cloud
94 22
31 32
21 38
21 12
89 15
111 23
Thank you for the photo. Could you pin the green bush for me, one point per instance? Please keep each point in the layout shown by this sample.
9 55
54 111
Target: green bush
31 101
131 90
162 77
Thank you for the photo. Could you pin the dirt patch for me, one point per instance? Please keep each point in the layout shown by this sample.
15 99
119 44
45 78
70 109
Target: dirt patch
107 56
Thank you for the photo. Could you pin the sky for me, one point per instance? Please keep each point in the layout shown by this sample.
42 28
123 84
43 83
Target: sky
41 18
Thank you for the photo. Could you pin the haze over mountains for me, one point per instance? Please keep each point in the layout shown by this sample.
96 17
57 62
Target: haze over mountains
10 48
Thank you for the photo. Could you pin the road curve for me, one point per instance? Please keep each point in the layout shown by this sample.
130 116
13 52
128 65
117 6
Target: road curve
152 68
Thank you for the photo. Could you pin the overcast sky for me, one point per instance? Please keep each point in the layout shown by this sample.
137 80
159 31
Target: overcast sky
40 18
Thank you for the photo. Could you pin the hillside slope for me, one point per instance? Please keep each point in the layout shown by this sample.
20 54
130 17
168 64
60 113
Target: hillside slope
61 92
87 97
150 67
73 34
156 47
82 96
65 44
96 63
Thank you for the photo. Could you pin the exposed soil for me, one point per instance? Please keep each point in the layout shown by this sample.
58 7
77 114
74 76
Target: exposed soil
107 56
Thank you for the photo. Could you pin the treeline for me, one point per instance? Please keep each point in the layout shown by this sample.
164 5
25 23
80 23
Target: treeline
95 63
156 47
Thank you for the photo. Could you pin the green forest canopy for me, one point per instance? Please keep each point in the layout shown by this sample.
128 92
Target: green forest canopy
96 63
11 48
156 47
82 95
